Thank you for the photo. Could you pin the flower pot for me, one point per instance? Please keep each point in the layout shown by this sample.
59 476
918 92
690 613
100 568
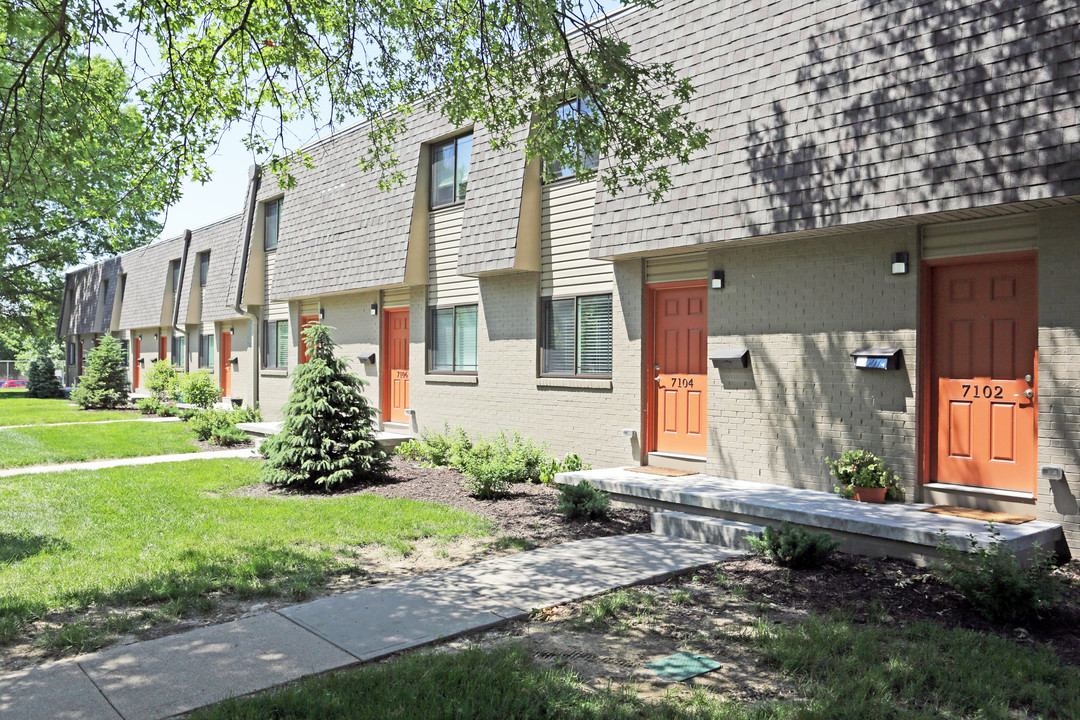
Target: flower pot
869 495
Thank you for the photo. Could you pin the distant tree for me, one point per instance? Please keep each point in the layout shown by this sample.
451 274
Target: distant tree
42 380
103 383
328 439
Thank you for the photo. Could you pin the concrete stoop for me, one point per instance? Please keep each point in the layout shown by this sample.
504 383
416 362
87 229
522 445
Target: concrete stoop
261 430
723 511
702 528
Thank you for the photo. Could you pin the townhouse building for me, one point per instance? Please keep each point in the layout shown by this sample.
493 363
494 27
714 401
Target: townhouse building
877 249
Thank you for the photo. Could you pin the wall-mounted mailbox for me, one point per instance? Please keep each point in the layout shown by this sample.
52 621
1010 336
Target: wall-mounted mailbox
368 359
729 358
878 358
235 360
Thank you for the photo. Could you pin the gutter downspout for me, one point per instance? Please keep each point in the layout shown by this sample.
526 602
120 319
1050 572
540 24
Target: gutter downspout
177 292
255 175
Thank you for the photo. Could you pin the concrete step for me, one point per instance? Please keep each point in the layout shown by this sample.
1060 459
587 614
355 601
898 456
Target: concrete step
898 530
262 430
702 528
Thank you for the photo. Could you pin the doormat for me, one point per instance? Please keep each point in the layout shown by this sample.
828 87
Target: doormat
664 472
682 666
984 515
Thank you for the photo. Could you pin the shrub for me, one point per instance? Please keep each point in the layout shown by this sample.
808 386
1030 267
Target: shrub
104 380
491 466
160 379
995 581
794 547
439 449
204 423
148 406
42 381
583 501
571 463
229 436
328 439
246 414
198 388
186 414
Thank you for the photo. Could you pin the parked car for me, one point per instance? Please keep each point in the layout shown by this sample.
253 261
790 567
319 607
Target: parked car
13 384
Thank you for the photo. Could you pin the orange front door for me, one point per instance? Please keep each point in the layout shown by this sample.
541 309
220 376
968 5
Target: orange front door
679 376
163 347
396 365
78 367
135 353
306 321
985 338
226 364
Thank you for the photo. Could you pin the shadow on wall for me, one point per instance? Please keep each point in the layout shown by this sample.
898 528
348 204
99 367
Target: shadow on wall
955 119
814 404
1058 415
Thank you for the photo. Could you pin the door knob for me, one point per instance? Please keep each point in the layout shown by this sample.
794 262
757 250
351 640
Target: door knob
1027 393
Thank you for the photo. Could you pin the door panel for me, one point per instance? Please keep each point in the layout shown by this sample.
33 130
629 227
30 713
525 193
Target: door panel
226 364
305 322
984 343
679 358
136 353
396 370
163 347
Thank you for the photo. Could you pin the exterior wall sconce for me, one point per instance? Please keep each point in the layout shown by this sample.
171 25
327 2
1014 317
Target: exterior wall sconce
718 280
374 308
899 263
322 313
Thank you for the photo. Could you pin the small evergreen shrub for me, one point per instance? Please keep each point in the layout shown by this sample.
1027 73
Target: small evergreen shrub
995 581
160 379
229 436
583 501
794 547
148 406
198 388
328 439
42 381
104 380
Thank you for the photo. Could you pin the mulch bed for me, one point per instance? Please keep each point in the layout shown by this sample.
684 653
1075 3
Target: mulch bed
526 511
867 587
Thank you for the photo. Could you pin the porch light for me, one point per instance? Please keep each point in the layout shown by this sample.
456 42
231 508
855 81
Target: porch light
374 308
718 280
899 263
322 313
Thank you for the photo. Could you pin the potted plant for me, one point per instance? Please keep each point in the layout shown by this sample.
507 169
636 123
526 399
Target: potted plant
863 476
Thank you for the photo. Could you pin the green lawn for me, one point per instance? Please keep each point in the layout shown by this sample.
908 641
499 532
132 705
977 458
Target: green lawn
20 447
164 537
842 671
17 409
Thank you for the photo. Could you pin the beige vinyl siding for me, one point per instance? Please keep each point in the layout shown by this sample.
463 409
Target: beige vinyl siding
445 286
692 266
277 311
268 274
207 328
397 297
565 231
980 237
309 307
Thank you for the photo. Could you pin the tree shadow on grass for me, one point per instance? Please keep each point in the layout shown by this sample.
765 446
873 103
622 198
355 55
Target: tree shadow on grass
16 547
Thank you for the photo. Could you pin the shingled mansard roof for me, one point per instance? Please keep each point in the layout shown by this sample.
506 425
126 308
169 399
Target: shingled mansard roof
220 240
828 113
85 288
147 272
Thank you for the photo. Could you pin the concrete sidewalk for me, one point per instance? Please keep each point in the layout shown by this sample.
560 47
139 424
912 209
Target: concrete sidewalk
93 422
120 462
171 675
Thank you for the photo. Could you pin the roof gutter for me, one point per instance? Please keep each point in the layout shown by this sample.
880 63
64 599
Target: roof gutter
255 175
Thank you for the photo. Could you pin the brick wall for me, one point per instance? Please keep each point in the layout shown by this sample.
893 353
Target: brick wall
801 309
1059 367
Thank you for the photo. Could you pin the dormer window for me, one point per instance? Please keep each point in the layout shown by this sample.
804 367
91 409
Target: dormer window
450 170
271 219
553 170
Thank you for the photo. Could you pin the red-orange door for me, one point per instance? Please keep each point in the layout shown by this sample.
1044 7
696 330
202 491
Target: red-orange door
226 363
680 379
396 365
136 352
163 347
78 366
983 359
306 321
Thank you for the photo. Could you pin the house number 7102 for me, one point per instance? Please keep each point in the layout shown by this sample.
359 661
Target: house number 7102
988 391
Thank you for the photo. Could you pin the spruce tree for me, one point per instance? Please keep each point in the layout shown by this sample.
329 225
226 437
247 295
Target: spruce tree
103 383
42 381
328 440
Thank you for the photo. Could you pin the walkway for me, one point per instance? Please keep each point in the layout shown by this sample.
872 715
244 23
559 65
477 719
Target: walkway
121 462
93 422
171 675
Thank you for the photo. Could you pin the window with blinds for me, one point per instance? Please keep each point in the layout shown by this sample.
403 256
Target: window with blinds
576 336
206 350
452 339
179 347
276 344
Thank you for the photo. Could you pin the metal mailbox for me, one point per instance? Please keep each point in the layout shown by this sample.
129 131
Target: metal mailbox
878 358
728 358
